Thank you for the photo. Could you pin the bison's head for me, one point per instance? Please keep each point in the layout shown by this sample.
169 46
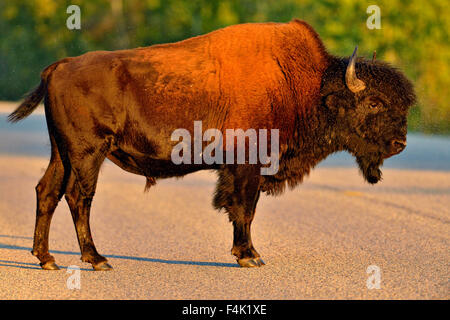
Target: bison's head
367 105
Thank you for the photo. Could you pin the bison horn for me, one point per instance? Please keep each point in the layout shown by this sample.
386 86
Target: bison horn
374 56
352 82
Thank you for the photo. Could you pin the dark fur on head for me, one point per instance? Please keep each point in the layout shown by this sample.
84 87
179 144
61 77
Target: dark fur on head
368 122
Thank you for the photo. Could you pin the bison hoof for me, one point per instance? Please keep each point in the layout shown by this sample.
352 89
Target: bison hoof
251 262
102 266
51 265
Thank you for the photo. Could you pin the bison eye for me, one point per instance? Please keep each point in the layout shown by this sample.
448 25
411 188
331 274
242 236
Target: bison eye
374 105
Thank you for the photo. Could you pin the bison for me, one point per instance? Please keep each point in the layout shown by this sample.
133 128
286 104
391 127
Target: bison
124 105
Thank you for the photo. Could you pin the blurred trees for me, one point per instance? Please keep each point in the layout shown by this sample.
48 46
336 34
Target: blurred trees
414 36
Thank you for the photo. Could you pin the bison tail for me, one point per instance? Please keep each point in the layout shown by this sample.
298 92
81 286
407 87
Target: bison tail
29 104
33 98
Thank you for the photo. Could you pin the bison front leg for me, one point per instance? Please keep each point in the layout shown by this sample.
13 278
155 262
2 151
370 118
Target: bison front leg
238 192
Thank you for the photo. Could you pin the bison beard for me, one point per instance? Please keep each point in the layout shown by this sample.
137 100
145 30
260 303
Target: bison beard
124 105
370 168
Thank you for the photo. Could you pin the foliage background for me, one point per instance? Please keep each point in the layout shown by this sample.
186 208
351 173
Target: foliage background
414 36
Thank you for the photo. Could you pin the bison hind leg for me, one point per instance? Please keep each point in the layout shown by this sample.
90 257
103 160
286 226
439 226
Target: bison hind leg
79 195
49 191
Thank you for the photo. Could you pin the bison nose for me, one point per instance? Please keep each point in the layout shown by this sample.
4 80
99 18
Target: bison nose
398 145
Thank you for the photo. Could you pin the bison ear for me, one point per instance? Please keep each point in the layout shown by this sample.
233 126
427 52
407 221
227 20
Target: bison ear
332 102
335 101
337 104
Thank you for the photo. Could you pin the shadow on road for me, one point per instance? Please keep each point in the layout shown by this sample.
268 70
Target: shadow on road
20 265
15 237
113 256
27 265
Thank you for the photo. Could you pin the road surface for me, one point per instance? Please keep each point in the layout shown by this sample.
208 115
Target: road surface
318 240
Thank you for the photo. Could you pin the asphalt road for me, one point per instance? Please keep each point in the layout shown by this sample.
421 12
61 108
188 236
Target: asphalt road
317 240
